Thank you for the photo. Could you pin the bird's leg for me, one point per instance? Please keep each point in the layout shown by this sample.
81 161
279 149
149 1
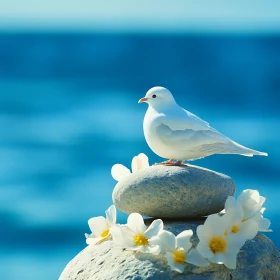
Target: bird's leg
171 162
177 163
167 162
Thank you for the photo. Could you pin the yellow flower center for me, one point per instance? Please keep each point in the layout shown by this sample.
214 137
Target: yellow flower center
234 229
225 233
104 233
140 240
218 244
179 257
244 219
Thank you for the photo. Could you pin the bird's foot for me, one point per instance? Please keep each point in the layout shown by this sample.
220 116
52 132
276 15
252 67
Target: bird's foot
171 162
167 162
176 163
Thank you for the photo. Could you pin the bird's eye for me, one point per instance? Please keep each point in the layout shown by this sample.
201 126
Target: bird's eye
154 96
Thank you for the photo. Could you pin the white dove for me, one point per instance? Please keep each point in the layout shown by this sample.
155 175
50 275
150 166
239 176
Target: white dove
176 134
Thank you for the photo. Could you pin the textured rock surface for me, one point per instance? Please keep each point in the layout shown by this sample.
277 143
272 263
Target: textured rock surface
173 192
258 260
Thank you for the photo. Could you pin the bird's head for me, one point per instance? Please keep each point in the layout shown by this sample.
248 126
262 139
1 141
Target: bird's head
158 96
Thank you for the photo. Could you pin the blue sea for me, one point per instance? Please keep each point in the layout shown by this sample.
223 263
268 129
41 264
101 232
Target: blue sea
68 112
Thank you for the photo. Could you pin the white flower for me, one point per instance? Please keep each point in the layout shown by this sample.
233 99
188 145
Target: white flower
136 236
139 162
236 221
101 227
251 203
177 250
215 245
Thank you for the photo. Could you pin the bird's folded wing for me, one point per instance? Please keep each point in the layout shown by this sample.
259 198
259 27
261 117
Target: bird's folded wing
196 119
208 141
183 119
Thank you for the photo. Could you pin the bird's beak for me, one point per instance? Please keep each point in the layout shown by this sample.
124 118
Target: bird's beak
142 100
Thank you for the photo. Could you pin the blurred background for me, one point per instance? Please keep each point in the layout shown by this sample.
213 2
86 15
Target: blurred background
71 74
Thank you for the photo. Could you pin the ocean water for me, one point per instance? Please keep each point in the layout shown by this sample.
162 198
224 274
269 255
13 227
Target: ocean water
68 112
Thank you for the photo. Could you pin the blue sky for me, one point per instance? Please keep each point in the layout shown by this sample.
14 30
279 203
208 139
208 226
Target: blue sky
147 15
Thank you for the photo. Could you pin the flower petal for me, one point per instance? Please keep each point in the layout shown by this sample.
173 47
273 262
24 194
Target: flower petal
218 258
234 212
234 242
135 164
249 229
230 203
175 267
170 259
195 258
214 224
109 236
111 215
122 236
183 239
139 162
93 240
203 233
144 160
154 250
119 171
136 223
264 225
230 260
167 241
98 225
249 212
204 250
248 197
262 200
251 202
155 227
233 216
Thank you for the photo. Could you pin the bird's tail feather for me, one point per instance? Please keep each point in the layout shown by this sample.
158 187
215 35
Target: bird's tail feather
244 151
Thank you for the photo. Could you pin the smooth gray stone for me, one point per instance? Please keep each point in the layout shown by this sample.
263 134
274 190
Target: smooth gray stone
258 259
173 192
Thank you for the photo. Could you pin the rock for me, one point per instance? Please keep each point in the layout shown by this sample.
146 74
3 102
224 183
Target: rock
173 192
258 259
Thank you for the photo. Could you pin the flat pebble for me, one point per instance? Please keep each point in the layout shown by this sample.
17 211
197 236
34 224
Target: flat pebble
173 192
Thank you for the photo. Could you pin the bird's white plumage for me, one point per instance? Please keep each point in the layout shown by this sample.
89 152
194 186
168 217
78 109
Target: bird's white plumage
174 133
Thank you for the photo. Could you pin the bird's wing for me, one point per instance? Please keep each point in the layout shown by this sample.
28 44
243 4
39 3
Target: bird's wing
196 119
206 140
181 119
